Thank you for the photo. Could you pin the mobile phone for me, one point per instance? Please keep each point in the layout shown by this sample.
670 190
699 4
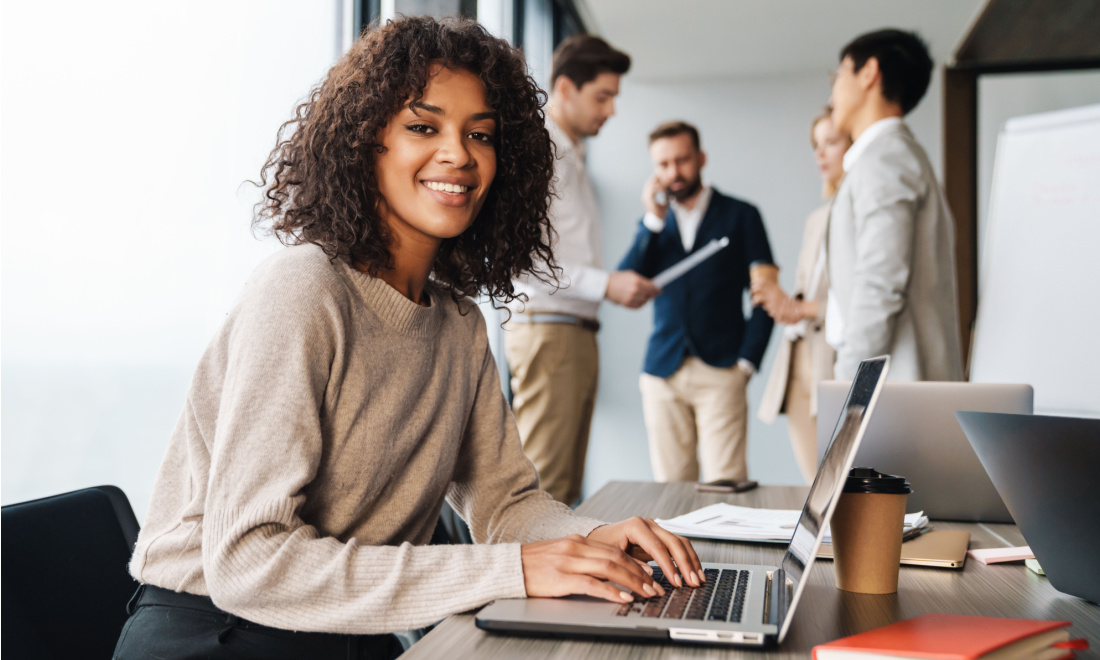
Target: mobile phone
725 486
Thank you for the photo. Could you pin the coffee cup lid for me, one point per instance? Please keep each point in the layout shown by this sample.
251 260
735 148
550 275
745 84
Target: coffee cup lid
869 480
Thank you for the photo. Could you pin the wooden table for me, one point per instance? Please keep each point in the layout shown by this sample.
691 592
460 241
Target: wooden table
824 612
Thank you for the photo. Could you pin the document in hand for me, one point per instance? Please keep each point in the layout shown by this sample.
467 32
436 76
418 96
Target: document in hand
673 272
739 523
957 637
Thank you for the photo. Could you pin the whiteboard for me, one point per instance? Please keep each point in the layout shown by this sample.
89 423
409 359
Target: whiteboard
1038 318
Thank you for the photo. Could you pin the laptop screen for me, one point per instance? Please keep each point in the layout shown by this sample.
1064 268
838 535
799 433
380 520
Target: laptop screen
830 478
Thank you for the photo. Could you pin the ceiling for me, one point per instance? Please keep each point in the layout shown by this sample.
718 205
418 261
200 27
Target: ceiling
684 39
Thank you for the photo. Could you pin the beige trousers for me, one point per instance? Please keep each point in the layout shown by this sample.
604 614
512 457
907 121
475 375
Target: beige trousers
802 425
701 410
555 372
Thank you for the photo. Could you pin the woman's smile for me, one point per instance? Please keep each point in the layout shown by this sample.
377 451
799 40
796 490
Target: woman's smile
449 191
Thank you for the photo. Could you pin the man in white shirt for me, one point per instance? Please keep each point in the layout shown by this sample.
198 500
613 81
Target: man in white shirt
891 240
550 340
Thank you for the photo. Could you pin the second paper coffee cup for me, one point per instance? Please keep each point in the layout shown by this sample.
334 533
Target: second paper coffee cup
866 529
760 271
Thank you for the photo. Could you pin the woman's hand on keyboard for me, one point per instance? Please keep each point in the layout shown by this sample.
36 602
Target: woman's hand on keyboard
645 539
576 565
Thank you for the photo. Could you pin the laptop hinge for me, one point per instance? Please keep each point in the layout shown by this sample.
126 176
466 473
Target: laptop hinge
768 598
775 603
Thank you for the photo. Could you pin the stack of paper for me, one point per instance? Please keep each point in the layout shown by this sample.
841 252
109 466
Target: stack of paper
739 523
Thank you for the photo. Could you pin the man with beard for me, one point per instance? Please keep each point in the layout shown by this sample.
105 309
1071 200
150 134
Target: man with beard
703 351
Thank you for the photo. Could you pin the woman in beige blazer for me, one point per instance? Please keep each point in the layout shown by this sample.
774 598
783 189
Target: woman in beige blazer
804 357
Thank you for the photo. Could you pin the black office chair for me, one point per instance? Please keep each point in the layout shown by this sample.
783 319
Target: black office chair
66 582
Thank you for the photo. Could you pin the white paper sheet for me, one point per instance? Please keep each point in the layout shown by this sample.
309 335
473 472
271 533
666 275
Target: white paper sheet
738 523
691 261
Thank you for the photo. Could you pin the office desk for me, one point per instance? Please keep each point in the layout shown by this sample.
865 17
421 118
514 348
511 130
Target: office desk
824 612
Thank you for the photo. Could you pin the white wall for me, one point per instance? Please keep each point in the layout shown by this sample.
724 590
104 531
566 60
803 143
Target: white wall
128 129
756 135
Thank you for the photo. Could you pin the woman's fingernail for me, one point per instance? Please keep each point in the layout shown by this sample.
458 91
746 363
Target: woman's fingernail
625 596
649 590
679 582
701 576
648 568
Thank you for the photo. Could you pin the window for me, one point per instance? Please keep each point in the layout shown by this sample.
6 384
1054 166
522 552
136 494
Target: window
129 128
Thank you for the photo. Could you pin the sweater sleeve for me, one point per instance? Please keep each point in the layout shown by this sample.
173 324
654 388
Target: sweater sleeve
496 488
261 560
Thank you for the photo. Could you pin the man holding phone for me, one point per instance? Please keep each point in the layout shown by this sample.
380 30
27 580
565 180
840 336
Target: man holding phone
703 350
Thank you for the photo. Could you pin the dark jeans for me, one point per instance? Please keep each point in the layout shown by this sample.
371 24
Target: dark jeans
170 625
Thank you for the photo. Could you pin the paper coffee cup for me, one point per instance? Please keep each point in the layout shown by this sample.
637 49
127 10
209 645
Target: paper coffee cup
760 271
866 529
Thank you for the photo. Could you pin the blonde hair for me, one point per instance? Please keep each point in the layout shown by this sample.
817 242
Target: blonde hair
828 188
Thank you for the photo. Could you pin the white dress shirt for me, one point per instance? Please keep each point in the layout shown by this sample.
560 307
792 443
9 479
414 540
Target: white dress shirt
578 245
687 220
834 322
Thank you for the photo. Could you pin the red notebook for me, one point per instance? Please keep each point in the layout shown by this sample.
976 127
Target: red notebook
955 637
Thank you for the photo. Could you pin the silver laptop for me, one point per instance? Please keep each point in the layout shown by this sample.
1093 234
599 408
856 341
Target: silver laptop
915 434
1046 468
745 605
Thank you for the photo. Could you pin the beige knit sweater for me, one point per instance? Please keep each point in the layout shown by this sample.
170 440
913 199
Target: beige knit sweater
325 424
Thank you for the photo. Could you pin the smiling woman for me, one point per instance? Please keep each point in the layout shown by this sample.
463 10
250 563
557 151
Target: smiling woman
327 171
351 390
435 170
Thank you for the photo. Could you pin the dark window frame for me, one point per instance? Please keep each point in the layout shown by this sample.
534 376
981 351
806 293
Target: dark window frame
567 20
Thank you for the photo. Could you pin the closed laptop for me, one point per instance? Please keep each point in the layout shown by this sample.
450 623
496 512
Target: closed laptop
914 433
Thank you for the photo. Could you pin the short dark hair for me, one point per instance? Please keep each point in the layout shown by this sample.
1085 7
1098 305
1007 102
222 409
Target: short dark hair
673 128
582 57
903 60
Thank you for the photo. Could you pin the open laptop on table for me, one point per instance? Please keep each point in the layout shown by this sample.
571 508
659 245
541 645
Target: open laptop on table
740 604
1046 469
915 434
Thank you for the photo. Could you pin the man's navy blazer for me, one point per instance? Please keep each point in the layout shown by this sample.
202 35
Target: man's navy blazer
701 313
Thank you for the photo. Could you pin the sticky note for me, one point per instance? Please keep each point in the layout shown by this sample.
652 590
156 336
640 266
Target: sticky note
997 555
1034 566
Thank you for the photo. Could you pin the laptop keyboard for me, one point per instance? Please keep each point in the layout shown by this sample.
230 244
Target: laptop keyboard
721 598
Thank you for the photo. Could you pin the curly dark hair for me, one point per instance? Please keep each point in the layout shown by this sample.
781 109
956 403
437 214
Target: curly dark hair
321 187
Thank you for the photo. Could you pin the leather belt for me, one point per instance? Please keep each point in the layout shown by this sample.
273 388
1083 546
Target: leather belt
563 319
